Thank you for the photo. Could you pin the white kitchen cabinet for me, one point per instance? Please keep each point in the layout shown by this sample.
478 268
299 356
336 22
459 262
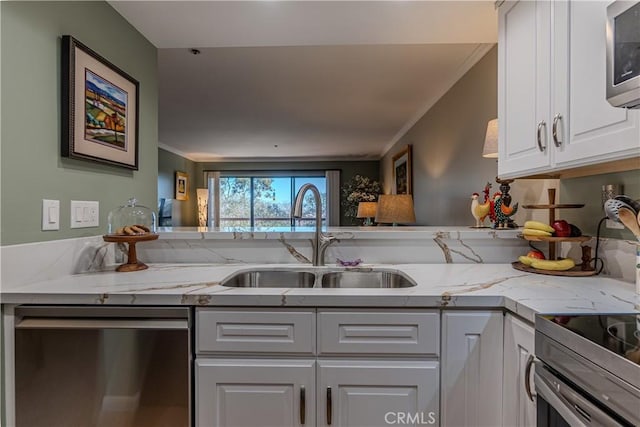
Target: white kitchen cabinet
524 87
519 407
388 332
552 108
593 131
255 392
370 368
377 393
471 368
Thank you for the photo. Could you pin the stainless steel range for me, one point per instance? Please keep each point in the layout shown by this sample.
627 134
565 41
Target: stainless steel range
588 373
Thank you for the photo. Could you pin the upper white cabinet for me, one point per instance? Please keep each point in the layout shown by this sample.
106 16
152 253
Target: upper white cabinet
519 407
552 108
524 87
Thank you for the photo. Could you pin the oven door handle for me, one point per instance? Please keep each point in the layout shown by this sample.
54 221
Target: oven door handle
573 408
70 323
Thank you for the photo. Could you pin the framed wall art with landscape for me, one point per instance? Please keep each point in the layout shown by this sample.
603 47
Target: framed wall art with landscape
182 186
99 108
402 171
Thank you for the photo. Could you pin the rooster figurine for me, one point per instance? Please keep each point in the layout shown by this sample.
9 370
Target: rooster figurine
479 211
503 212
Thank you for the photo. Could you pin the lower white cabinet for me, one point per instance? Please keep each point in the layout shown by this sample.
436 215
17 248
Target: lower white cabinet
471 370
519 408
255 392
377 393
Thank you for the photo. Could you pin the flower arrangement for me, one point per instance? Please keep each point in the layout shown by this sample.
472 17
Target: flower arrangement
359 189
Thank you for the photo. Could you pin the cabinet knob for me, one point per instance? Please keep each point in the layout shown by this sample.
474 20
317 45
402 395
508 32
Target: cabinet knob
329 406
303 405
554 130
541 125
527 377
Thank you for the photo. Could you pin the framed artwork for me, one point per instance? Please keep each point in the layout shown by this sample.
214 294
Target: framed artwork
402 171
182 186
99 108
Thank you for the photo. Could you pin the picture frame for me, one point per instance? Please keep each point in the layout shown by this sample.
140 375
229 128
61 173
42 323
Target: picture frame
182 186
100 108
402 173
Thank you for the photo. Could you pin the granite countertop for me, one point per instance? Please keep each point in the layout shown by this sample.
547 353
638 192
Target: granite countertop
479 286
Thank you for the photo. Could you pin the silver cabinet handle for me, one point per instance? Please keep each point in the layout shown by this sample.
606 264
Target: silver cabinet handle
540 126
329 406
554 130
303 405
527 377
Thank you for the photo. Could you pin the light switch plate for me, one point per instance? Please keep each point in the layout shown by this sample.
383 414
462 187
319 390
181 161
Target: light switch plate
84 214
50 215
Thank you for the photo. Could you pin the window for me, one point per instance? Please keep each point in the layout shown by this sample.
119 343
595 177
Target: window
263 199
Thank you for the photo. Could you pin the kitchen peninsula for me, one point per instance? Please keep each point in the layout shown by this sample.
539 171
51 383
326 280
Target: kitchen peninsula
464 289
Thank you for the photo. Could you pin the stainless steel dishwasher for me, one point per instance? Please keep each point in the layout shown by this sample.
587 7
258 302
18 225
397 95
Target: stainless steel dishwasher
102 366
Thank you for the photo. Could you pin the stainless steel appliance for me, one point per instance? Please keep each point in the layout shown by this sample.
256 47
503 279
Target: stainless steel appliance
588 373
623 54
102 366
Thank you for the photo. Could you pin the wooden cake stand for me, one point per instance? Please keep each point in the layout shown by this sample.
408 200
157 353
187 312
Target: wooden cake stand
132 263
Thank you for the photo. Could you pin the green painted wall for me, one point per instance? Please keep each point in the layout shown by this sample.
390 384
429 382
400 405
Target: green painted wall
447 148
587 190
31 166
348 169
168 164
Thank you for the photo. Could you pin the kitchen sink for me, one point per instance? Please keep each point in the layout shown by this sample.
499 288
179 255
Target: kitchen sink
271 279
366 279
325 279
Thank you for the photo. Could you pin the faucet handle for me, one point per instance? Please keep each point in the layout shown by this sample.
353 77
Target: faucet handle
328 239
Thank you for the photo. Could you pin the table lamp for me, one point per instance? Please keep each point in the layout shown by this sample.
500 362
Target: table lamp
395 209
367 210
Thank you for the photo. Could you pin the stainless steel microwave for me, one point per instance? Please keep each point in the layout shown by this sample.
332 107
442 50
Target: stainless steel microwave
623 54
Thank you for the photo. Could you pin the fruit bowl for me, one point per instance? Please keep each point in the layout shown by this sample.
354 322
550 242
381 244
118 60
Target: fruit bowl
576 271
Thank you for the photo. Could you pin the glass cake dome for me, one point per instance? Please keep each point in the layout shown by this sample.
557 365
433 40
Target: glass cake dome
131 220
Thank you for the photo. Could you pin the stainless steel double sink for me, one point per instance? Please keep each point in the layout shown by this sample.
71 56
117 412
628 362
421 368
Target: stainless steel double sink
319 278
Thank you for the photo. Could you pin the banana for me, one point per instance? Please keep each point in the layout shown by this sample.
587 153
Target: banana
526 260
560 265
535 232
537 225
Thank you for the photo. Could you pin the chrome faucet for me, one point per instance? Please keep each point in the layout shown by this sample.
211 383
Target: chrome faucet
321 241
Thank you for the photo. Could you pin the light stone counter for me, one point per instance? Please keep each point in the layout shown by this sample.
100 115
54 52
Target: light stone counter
438 285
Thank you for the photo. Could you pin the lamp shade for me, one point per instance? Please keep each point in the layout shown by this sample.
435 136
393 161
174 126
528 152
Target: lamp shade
367 209
395 209
490 149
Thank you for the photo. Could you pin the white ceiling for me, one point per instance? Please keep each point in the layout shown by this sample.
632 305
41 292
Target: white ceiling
320 79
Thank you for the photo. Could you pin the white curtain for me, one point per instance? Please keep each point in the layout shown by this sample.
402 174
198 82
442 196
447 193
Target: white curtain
333 197
213 209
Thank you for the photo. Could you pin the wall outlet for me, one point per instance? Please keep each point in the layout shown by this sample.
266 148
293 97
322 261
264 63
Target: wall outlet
84 214
50 214
613 224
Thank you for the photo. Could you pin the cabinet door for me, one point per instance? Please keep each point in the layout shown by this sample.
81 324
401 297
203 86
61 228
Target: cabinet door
377 393
597 131
472 368
519 409
255 393
524 56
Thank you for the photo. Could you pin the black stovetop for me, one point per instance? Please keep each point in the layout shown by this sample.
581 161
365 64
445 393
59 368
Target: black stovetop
619 333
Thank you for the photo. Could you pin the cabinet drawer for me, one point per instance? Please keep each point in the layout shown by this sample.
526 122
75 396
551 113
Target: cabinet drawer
256 331
379 332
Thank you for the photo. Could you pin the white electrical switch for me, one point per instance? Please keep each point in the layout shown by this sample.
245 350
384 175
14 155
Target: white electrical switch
84 214
50 214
